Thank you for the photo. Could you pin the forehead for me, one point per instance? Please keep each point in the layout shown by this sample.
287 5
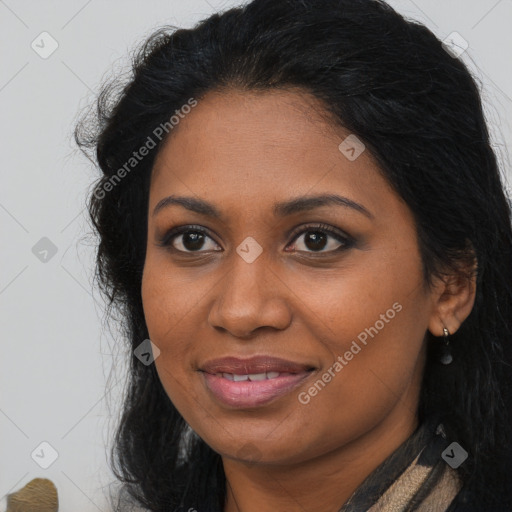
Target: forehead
238 147
230 121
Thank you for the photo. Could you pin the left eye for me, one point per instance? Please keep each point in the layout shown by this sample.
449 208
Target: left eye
317 239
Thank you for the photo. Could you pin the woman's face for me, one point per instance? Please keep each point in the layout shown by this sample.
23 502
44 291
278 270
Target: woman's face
281 341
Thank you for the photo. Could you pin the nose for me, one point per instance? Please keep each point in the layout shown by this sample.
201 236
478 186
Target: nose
249 297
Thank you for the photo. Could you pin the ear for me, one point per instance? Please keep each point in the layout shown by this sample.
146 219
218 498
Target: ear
454 296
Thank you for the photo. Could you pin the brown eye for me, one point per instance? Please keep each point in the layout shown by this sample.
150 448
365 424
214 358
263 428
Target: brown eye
318 238
188 239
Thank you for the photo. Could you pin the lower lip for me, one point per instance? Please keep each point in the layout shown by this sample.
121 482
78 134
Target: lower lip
252 394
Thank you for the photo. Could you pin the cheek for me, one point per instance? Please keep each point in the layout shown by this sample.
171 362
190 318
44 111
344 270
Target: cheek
167 300
170 309
379 318
369 295
369 381
165 315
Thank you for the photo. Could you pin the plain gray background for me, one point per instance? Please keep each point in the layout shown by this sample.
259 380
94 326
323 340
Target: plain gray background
56 384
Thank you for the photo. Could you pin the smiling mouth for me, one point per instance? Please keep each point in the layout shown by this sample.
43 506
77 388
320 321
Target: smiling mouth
253 377
254 382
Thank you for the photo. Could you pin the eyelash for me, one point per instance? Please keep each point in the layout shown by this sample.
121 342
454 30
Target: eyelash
346 240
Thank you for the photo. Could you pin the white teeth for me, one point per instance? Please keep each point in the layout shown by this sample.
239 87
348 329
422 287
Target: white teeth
257 376
251 376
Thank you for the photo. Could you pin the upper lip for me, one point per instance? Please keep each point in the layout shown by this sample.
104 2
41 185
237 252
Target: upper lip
252 365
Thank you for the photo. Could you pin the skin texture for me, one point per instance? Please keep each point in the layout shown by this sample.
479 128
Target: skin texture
243 151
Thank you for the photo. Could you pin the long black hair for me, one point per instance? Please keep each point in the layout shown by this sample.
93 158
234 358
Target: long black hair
418 110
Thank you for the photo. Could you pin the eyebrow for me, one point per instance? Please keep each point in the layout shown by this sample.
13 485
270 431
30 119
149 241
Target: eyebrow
282 209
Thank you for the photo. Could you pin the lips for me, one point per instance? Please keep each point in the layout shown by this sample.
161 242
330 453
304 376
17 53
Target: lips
253 382
253 365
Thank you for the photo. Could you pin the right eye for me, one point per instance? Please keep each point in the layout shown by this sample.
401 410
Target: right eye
189 239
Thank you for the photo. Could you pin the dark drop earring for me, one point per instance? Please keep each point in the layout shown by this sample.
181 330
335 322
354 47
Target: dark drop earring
446 354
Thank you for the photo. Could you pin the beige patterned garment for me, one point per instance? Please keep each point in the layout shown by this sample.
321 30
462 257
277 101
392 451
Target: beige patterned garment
415 478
